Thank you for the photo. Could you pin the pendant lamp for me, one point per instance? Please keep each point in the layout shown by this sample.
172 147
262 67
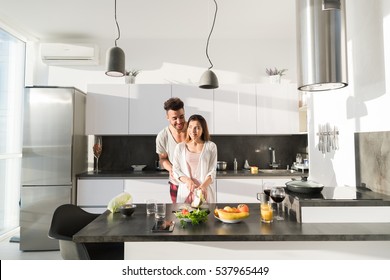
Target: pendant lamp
321 45
115 57
209 80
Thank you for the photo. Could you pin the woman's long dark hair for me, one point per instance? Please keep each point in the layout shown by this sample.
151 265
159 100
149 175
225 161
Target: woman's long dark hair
205 135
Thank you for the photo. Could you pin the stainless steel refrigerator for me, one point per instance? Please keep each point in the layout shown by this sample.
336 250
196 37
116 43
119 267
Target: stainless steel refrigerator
54 151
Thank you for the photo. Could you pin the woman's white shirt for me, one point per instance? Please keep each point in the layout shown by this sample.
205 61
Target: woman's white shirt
206 167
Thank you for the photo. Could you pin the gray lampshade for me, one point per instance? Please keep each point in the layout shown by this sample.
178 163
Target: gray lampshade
115 62
321 45
208 80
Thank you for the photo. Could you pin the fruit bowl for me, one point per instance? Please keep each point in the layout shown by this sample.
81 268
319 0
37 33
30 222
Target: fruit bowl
230 221
232 215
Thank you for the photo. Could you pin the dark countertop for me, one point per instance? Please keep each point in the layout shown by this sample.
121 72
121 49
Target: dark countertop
341 196
110 227
229 174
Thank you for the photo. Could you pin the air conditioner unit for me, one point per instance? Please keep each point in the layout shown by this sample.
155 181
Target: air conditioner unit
69 54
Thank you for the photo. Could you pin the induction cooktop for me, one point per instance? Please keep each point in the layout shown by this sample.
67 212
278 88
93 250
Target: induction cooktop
341 193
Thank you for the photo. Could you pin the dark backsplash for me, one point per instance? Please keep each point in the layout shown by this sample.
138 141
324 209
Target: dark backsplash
120 152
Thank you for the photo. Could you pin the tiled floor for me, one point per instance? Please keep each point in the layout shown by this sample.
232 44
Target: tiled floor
10 250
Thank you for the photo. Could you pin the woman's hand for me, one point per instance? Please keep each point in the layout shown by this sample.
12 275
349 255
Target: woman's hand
204 190
190 184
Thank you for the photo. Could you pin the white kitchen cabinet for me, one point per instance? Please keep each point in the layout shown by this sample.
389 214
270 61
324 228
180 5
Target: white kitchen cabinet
238 190
196 101
107 110
144 189
235 109
147 114
277 109
93 195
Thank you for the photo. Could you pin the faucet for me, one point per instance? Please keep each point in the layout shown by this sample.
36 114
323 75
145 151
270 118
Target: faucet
273 163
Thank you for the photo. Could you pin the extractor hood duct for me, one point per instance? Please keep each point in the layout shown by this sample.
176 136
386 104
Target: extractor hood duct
321 45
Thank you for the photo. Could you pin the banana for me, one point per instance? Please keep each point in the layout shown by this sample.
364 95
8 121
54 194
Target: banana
231 216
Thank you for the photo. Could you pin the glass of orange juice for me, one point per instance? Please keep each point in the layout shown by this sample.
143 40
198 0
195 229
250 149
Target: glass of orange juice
266 211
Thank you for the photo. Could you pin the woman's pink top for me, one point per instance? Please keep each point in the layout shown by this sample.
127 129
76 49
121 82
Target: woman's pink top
192 163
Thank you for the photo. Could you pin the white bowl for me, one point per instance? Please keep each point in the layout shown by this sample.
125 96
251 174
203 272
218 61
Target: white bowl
138 167
230 221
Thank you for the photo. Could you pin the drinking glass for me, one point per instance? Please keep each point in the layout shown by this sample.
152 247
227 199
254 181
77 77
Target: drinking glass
160 209
266 211
278 194
97 150
150 206
267 188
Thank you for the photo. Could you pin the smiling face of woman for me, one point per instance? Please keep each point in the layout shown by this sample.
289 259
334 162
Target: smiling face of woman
195 130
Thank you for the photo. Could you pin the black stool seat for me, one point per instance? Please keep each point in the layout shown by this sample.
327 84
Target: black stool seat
67 220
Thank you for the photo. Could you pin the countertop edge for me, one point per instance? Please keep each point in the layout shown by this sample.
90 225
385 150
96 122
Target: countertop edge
230 174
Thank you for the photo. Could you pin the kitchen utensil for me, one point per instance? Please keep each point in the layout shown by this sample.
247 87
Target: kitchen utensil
221 165
304 186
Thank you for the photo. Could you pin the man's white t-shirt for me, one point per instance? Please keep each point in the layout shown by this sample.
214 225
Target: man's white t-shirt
166 144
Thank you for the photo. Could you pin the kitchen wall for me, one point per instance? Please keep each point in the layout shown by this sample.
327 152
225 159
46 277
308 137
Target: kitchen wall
120 152
372 150
363 106
172 60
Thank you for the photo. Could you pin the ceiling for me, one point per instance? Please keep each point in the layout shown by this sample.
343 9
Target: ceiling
93 20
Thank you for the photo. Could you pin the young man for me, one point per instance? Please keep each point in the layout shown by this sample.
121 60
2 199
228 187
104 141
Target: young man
169 137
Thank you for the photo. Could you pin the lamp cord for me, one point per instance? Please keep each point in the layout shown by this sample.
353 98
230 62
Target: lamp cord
211 31
117 26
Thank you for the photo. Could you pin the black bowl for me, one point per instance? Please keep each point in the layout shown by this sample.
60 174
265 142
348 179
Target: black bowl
127 209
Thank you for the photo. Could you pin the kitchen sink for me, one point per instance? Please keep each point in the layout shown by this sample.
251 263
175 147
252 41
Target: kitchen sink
280 172
275 171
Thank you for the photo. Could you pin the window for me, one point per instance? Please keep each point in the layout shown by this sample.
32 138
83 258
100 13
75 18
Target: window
12 66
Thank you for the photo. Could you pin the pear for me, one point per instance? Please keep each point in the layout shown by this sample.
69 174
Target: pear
199 199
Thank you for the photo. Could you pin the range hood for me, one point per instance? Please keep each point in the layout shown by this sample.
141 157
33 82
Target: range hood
321 45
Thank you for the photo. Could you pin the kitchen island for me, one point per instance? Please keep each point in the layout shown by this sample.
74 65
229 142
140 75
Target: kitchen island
249 239
94 190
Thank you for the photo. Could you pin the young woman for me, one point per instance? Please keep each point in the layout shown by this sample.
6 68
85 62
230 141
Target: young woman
195 161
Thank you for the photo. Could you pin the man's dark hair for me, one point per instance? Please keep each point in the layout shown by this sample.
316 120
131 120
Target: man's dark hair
174 104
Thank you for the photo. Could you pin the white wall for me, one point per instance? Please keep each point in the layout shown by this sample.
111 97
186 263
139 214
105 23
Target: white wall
362 106
177 61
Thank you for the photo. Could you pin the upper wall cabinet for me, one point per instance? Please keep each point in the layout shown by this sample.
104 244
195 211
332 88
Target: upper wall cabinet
235 109
277 109
138 109
147 114
196 101
107 110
